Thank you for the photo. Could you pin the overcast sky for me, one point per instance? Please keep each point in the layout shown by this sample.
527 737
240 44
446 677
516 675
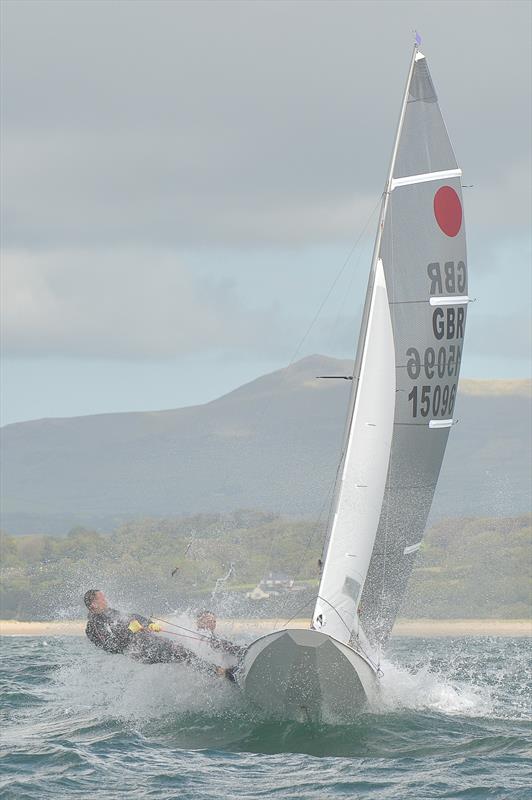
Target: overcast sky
181 183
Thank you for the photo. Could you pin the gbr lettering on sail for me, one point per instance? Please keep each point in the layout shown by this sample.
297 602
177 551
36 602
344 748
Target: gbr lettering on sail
437 368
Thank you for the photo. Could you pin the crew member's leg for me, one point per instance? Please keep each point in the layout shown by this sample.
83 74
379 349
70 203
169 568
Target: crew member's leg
151 650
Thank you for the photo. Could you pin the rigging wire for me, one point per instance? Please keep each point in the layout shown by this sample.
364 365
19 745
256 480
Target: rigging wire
333 284
304 338
347 292
327 602
299 610
314 530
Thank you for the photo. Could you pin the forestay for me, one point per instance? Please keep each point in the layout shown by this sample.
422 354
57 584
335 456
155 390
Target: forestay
406 375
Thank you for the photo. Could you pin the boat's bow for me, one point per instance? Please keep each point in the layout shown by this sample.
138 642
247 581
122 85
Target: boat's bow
307 676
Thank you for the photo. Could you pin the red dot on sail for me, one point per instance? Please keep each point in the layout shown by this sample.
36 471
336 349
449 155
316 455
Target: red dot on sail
448 210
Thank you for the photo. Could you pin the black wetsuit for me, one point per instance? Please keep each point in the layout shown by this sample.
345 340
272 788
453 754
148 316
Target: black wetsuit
109 630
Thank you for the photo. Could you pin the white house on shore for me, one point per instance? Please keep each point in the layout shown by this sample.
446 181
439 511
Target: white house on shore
273 585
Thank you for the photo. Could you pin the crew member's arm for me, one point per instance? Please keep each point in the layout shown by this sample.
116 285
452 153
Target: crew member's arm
138 623
227 647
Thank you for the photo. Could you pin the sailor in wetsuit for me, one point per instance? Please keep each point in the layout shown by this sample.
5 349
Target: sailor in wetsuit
206 621
134 636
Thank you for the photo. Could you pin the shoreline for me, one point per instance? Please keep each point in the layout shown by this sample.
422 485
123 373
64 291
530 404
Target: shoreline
403 627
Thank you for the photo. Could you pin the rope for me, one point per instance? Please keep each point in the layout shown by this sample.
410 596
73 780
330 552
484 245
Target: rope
181 635
195 634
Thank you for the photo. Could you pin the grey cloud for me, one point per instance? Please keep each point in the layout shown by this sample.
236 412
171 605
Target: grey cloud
222 122
119 189
126 304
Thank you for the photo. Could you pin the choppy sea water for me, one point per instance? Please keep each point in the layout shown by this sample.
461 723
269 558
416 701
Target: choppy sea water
453 722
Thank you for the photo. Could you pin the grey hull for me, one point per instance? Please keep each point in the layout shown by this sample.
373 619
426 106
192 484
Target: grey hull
307 676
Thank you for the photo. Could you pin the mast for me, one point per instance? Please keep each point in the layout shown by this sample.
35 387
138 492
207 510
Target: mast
376 249
331 617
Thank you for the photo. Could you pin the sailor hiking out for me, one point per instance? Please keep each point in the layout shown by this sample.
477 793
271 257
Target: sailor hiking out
206 621
134 636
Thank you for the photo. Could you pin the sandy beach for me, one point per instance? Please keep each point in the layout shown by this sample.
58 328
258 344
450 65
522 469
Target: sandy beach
403 627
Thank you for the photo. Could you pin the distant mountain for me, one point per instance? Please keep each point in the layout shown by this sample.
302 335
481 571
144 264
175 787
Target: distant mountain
272 444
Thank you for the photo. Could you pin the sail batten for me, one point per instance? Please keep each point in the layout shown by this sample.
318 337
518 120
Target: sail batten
426 177
407 363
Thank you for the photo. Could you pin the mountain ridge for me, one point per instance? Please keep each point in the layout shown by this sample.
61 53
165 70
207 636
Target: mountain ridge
272 444
474 386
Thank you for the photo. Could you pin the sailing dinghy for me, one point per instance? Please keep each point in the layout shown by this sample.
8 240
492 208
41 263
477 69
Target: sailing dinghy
399 416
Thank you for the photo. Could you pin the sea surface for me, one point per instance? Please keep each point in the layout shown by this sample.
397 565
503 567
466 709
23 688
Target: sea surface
453 721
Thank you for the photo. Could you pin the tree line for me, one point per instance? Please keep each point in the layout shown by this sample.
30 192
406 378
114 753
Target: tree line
465 568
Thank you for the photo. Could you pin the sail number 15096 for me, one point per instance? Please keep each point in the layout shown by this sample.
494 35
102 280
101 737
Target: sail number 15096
433 400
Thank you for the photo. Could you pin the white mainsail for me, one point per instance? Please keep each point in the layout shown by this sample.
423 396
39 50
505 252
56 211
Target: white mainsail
405 378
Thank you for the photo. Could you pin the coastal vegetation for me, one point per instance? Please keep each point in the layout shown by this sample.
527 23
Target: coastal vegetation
466 567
